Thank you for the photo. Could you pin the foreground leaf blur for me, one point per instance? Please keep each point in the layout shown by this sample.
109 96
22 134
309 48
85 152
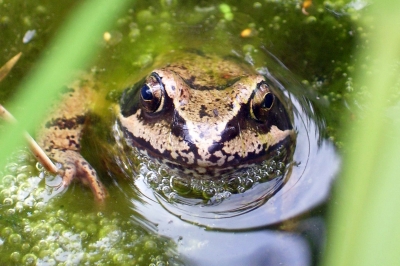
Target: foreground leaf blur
364 222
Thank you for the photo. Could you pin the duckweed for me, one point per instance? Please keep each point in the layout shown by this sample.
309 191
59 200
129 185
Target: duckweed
51 236
15 257
14 239
29 259
226 11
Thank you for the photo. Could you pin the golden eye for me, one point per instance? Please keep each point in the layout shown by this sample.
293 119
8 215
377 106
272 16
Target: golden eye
152 94
262 100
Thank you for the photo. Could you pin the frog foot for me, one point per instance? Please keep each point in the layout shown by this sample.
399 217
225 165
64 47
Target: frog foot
75 167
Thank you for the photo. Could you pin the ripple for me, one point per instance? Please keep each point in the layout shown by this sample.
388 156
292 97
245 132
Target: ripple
288 184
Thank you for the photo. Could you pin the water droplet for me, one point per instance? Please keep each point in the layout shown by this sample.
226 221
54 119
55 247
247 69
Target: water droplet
218 197
119 258
152 179
14 239
241 189
10 212
180 185
172 196
8 201
19 207
25 247
233 183
21 177
208 192
226 194
25 169
40 231
196 188
15 256
29 202
165 181
163 172
29 259
247 183
270 170
8 180
83 235
27 229
151 165
166 190
12 167
5 193
150 244
257 178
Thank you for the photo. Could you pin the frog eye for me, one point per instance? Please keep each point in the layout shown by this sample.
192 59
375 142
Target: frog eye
152 94
262 100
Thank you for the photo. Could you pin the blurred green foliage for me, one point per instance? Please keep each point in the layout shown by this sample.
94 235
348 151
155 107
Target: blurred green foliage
364 221
71 50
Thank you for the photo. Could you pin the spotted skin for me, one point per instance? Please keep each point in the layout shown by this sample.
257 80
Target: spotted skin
61 136
205 126
204 123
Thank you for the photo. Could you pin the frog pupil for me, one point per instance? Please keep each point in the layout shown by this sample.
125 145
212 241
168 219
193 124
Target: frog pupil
267 101
147 95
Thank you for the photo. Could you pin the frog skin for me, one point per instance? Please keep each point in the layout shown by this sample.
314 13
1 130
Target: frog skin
202 115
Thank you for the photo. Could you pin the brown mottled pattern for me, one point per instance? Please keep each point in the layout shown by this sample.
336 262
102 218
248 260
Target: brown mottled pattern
66 119
208 94
206 129
61 135
208 71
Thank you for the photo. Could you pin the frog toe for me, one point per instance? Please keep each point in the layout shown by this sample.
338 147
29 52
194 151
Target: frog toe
77 168
68 174
88 176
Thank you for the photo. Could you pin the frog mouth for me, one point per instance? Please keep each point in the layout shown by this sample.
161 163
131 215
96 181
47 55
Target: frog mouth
216 164
213 170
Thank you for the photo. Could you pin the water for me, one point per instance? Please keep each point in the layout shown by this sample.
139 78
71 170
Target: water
148 220
206 227
259 196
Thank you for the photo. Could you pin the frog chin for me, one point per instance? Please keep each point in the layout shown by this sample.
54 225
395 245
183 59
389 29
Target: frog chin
216 165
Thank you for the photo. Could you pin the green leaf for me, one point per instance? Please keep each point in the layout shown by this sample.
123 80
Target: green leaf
364 223
73 48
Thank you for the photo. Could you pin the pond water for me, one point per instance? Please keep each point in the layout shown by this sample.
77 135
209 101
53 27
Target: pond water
279 222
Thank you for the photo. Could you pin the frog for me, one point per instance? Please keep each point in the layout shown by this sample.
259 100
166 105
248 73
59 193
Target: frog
201 115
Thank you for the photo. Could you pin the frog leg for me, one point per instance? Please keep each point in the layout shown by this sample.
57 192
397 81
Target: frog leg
60 136
76 167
